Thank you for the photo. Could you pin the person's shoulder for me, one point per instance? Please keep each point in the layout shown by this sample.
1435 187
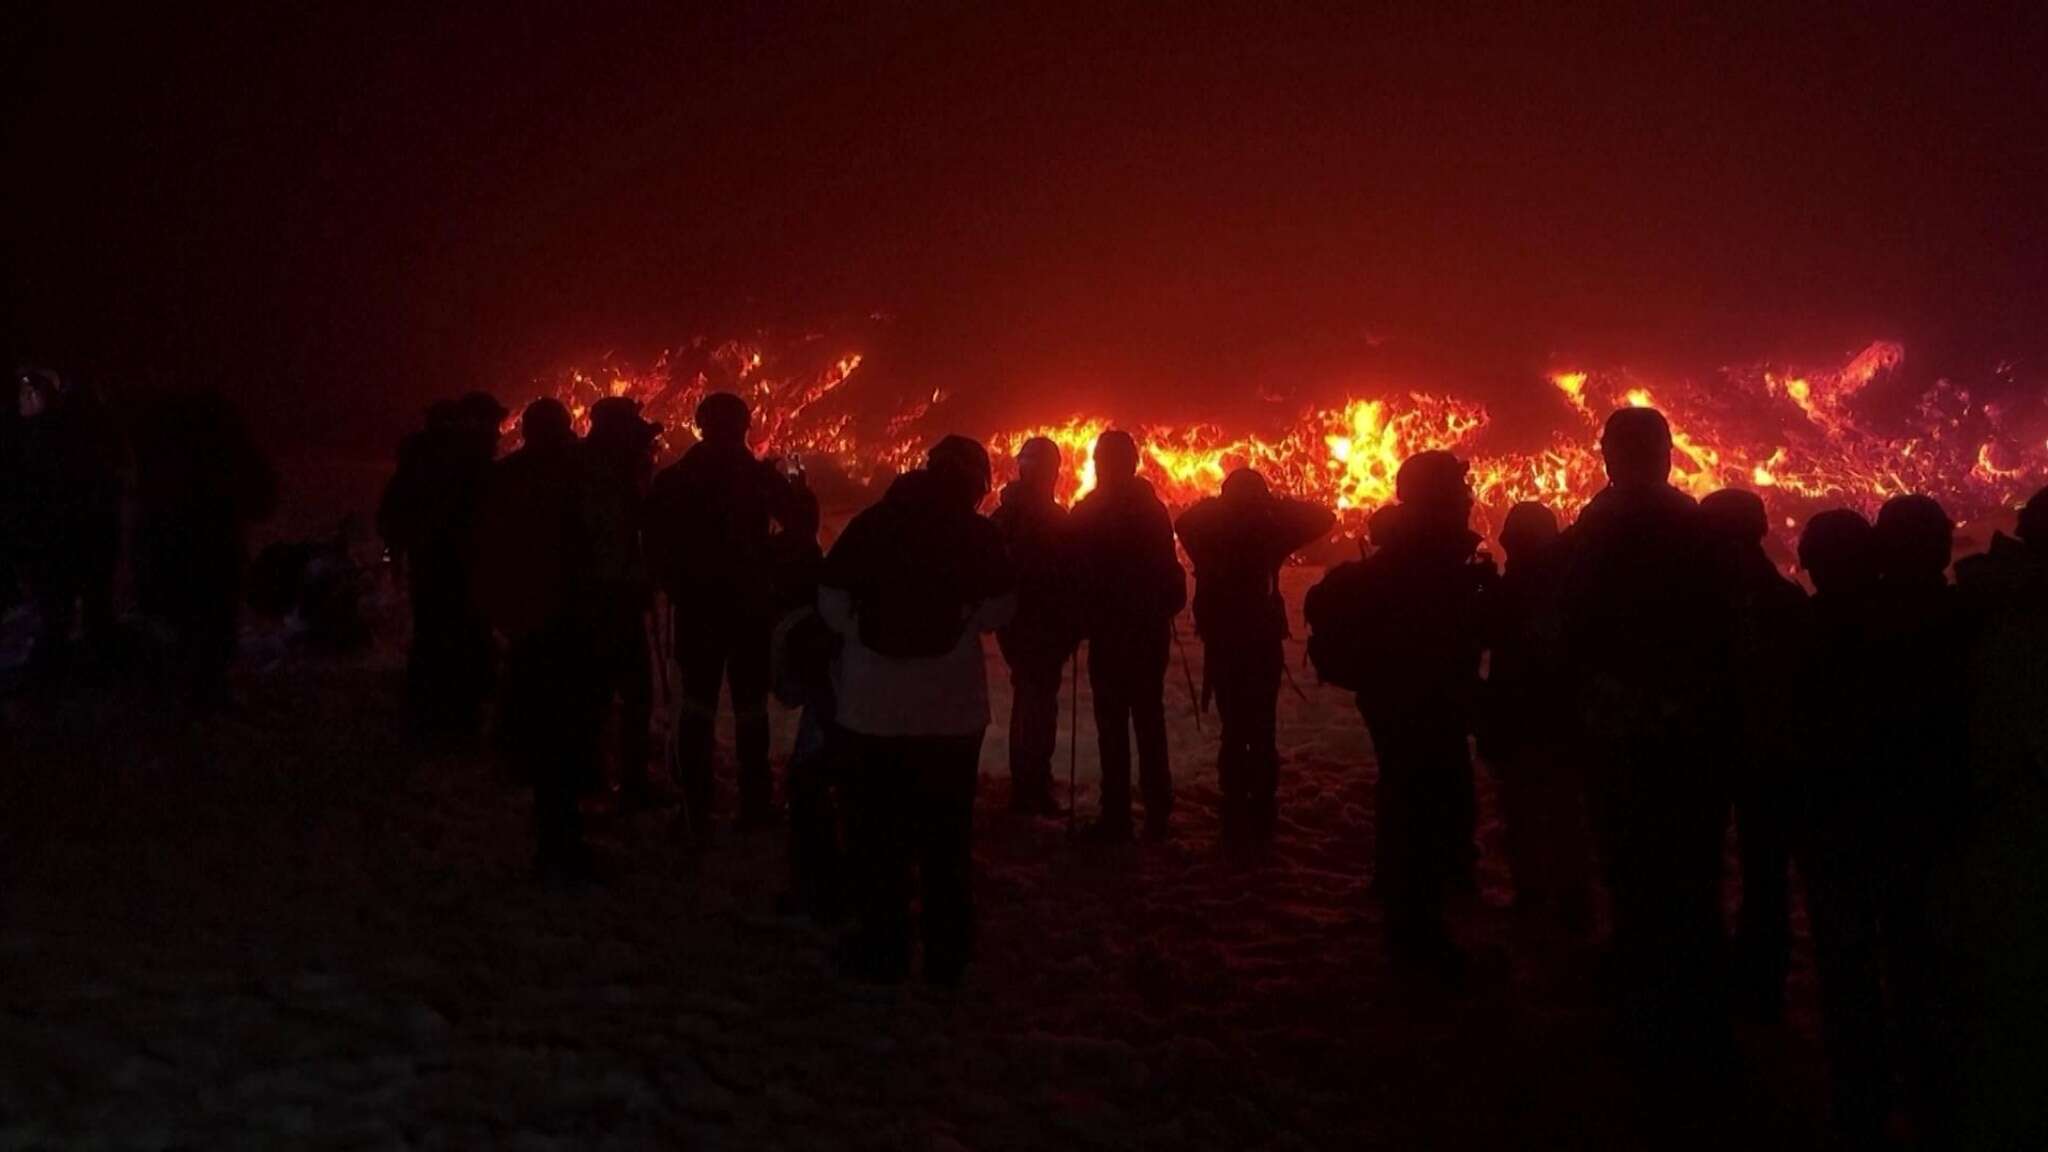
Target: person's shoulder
1195 517
1087 509
983 531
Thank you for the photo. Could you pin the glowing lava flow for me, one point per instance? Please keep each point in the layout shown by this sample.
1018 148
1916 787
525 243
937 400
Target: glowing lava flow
1805 440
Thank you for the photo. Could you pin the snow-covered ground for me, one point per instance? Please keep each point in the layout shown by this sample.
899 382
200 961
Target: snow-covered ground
291 928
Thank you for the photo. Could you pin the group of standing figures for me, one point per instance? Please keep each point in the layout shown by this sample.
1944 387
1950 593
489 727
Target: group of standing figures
1634 682
173 492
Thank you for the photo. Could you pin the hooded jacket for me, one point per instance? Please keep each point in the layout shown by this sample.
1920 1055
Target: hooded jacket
910 587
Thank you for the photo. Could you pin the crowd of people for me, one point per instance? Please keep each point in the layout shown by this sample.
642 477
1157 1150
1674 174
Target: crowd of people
1638 684
175 492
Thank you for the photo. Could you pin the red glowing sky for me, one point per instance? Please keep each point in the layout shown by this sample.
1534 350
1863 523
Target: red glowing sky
340 214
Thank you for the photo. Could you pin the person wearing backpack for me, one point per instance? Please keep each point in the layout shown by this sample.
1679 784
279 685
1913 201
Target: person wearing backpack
1238 542
910 587
1131 587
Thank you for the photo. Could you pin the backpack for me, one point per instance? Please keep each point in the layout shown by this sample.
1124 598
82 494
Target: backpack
1336 610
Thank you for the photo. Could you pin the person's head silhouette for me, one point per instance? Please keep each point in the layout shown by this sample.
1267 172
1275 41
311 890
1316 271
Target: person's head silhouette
1431 486
617 420
1837 551
1915 539
1246 486
1529 529
1736 517
1038 465
962 465
723 418
545 424
1116 458
1636 444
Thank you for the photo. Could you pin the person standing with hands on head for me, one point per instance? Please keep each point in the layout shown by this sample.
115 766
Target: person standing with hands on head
1238 542
910 587
710 519
1039 640
1131 586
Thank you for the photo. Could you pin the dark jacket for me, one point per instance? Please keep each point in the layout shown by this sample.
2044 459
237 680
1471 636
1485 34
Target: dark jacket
1238 548
915 568
1529 702
613 486
535 555
201 481
1128 576
1421 609
710 517
1044 631
1920 705
430 511
1769 651
1646 613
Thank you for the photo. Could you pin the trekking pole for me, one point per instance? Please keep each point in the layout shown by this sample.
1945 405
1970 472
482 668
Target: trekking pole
651 620
1291 683
1074 743
1188 670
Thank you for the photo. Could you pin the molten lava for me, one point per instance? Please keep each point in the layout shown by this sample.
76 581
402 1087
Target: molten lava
1805 440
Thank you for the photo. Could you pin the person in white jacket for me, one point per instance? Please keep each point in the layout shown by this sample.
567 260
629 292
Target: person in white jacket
911 586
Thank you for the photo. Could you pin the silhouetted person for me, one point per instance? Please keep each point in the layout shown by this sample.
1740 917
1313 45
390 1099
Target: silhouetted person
1039 640
2000 931
710 521
1238 542
1919 769
1646 623
617 466
1529 726
1418 603
805 649
910 587
1761 736
534 583
1130 588
67 477
429 520
201 481
1841 823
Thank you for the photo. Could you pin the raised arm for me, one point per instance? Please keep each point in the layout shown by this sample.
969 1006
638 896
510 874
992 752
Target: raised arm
1298 524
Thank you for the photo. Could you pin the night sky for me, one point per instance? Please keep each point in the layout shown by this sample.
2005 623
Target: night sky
339 215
